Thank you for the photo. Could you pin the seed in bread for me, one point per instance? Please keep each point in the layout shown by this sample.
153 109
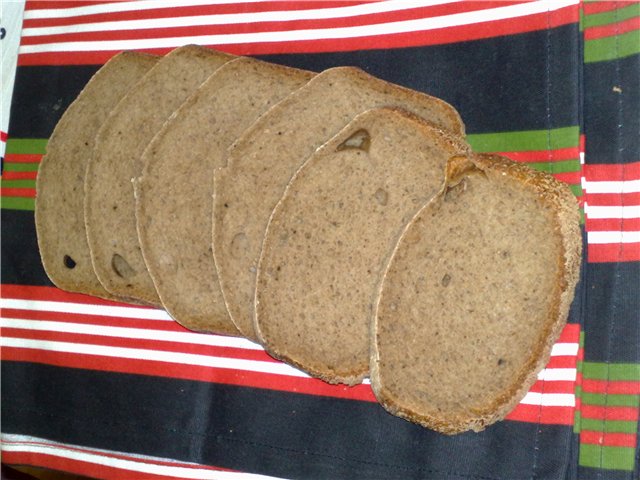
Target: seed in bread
476 293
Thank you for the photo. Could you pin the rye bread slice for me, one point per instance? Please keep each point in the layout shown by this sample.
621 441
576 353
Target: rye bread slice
475 295
174 194
109 200
331 233
265 157
59 205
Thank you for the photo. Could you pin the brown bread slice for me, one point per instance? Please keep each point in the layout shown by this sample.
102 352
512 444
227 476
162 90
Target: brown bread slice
59 206
265 157
174 195
109 200
331 233
477 292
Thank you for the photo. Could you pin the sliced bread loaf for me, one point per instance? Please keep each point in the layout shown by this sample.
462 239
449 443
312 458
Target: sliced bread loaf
109 201
263 160
476 293
331 233
174 194
59 206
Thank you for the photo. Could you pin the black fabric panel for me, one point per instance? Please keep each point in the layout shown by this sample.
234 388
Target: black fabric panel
42 94
612 313
509 74
588 473
20 257
612 111
275 433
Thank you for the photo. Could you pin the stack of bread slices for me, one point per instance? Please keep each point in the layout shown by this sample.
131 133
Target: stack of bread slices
341 221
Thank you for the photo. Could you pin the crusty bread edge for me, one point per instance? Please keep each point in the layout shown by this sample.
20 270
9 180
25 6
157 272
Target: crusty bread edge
555 195
354 376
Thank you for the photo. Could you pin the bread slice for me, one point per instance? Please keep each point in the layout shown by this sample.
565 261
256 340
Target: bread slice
174 194
331 233
59 211
475 295
265 157
109 200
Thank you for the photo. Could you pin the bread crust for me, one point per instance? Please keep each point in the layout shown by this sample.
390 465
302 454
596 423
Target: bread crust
562 202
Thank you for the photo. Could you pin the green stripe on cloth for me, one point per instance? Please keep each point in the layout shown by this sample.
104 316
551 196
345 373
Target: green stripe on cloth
611 48
17 203
576 189
557 167
612 16
18 183
21 167
611 400
612 372
609 426
610 458
523 141
26 145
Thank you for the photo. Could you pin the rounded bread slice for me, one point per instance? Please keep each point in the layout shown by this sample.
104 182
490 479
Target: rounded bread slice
174 193
59 205
476 293
109 200
265 157
331 233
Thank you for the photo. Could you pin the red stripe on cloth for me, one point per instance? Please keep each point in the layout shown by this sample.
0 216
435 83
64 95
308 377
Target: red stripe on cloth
612 29
140 343
553 387
27 292
22 158
570 333
569 153
611 387
100 320
613 199
543 415
612 224
608 439
270 26
612 172
19 175
422 38
177 11
562 361
3 136
601 6
18 192
613 252
79 467
572 178
310 386
609 413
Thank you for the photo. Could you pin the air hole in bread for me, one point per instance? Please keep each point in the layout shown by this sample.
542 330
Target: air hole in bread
381 196
360 140
455 190
69 262
121 267
239 244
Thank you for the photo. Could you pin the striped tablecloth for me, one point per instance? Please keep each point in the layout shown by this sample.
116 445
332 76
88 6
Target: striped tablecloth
115 391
